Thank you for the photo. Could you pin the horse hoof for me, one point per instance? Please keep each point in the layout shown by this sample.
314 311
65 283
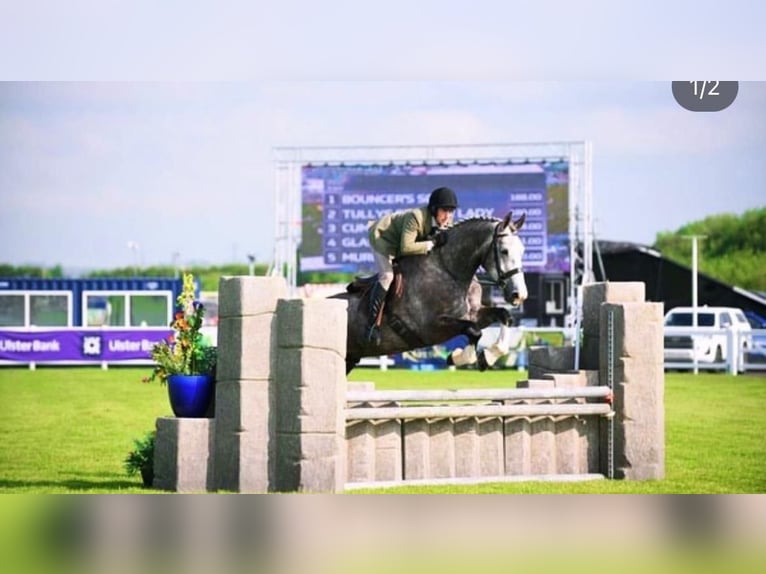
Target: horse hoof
450 362
481 362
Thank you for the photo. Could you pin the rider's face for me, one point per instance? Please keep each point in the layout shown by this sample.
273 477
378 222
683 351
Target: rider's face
444 216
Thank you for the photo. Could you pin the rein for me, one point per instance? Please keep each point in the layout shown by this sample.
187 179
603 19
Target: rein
502 278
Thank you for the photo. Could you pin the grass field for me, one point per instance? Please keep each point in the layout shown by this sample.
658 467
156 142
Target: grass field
67 430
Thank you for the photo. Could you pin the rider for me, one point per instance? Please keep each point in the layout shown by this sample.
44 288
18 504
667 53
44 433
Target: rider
410 232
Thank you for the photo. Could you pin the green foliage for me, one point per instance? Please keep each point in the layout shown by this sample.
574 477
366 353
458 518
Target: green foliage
31 271
208 276
324 277
142 455
733 249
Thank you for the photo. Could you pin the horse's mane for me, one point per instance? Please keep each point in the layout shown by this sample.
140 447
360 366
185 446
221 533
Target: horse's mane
473 221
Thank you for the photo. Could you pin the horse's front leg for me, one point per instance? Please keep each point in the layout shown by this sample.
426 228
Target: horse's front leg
467 355
463 326
486 316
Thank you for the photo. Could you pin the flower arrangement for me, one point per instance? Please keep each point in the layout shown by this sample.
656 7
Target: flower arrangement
184 352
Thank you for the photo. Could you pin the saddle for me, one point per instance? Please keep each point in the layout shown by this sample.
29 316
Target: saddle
364 283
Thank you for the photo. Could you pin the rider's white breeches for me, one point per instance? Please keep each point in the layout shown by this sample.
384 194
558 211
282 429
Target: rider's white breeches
385 270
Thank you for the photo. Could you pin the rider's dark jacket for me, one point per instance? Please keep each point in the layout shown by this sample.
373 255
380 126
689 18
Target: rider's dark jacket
402 232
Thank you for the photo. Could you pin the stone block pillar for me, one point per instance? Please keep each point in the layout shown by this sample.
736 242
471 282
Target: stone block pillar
594 295
546 360
638 379
310 389
244 404
183 454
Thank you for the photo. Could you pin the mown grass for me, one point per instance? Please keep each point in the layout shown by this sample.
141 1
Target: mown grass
68 430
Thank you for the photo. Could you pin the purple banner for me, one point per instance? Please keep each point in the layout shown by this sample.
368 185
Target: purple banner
80 345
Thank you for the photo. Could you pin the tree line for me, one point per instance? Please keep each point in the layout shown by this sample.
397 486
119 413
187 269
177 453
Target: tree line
732 249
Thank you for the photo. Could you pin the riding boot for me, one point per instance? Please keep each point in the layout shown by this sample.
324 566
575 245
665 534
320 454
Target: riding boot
377 300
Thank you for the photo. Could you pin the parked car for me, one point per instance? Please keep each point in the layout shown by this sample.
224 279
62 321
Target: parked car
755 320
757 351
710 345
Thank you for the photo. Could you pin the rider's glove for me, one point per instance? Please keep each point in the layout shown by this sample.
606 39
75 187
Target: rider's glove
440 239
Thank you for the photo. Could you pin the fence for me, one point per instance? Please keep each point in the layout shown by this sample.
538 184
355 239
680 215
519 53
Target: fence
396 438
285 420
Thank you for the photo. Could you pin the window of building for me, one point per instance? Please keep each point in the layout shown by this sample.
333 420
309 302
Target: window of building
46 310
555 295
12 311
35 309
127 309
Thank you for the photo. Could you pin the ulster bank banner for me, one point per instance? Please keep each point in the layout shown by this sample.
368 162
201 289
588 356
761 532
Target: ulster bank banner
79 345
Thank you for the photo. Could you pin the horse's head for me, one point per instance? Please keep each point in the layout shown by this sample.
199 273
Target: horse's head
503 260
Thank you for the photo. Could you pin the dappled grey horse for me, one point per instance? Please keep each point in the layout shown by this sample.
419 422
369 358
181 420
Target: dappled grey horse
436 297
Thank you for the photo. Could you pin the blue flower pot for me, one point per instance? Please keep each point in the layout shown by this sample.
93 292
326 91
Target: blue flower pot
190 395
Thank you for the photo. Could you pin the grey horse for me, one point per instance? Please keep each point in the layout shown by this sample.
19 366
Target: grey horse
436 297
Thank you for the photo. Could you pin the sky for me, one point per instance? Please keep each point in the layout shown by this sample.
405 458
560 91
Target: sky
123 141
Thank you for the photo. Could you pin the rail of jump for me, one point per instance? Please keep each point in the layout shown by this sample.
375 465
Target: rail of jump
285 418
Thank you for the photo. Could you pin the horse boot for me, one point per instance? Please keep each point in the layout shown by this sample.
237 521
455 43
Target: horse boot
377 301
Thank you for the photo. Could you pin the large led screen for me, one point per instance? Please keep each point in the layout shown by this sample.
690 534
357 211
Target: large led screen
340 202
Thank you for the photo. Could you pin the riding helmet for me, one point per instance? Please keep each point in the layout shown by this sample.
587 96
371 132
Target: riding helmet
442 197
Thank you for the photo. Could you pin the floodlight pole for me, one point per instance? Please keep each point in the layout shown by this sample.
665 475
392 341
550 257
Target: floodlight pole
135 248
695 257
176 258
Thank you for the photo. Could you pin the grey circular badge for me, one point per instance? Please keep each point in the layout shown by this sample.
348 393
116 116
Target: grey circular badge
705 95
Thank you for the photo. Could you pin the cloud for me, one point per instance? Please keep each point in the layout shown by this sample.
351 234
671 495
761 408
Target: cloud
123 160
667 130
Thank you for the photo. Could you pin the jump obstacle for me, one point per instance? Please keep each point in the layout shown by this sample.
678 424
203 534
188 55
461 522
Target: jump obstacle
287 420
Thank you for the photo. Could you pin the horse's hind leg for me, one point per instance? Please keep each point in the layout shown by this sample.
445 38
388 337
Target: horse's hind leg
464 326
350 364
486 358
467 355
486 316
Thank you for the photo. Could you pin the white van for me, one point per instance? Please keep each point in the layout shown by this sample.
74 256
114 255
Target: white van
710 345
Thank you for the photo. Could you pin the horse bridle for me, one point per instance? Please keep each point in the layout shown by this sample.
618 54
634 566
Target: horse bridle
502 278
